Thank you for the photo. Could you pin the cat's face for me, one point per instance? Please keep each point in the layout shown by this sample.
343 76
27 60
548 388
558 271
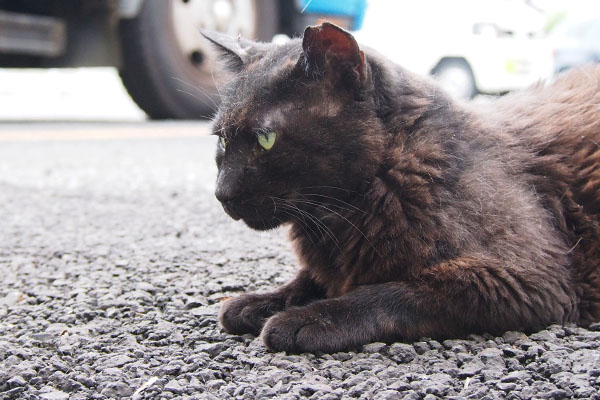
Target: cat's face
296 132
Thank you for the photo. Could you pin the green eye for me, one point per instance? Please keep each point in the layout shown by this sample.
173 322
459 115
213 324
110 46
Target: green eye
267 139
223 142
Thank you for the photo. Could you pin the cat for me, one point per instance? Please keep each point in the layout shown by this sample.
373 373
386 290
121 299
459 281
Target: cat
412 215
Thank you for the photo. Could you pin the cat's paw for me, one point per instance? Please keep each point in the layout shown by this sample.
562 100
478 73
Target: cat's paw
301 330
248 313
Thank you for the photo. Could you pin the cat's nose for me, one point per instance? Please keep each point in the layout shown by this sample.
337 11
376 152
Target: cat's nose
225 195
227 199
226 192
229 184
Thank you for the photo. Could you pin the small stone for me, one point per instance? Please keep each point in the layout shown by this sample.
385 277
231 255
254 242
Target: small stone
147 287
28 373
195 384
594 327
13 298
421 347
44 337
516 376
211 348
13 393
469 369
491 374
534 351
464 358
54 395
117 389
506 386
171 368
585 392
402 352
578 345
556 394
197 301
374 347
16 381
543 336
412 395
59 378
400 386
174 387
215 384
85 380
61 366
121 262
512 352
117 361
309 388
512 336
492 357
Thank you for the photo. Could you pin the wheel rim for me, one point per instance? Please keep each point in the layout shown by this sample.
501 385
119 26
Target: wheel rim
457 81
234 17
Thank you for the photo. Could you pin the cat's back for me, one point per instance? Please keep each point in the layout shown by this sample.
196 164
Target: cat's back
562 112
557 126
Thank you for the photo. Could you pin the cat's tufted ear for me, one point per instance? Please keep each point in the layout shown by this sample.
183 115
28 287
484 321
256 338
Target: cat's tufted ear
234 51
328 48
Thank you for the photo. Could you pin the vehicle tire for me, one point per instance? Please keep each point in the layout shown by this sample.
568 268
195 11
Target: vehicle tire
456 77
168 68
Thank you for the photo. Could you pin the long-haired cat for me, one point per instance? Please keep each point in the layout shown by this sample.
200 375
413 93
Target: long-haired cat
411 215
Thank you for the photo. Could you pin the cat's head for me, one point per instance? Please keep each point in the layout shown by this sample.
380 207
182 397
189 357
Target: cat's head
297 128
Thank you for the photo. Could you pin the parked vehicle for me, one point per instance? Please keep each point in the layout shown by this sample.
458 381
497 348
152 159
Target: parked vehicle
165 64
470 46
576 42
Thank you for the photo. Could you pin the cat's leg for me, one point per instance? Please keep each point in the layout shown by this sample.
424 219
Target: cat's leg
450 300
248 313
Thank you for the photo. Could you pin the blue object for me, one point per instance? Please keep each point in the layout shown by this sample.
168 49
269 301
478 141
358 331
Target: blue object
354 9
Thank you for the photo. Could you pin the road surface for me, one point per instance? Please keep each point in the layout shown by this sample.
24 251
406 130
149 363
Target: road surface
114 257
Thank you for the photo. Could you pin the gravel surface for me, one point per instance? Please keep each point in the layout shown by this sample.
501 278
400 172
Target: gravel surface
114 257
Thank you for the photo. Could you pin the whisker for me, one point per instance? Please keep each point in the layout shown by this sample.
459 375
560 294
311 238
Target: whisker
345 219
199 89
215 82
303 225
320 225
327 187
336 199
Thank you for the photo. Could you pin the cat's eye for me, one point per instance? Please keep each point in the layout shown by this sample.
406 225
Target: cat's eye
223 142
267 139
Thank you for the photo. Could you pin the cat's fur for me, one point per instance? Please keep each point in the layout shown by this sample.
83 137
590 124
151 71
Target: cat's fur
411 215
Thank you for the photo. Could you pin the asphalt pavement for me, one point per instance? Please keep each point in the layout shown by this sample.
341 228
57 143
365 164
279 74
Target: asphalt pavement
115 256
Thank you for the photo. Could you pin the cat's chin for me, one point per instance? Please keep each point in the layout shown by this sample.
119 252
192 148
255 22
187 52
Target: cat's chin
261 224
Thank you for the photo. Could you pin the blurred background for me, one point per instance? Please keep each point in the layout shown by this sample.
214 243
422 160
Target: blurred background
137 60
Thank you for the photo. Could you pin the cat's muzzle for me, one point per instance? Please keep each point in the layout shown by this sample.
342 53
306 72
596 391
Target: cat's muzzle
230 210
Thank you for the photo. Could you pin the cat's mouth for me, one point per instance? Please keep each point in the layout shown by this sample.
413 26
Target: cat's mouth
231 212
255 217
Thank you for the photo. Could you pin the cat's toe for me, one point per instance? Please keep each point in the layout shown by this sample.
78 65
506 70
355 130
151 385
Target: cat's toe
296 331
279 333
228 316
248 313
236 318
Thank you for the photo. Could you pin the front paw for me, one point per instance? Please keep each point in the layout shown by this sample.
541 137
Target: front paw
248 313
301 330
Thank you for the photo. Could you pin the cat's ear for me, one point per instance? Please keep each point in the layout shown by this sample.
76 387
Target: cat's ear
233 51
328 48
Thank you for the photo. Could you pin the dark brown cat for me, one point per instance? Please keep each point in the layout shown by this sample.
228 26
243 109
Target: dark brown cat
411 215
